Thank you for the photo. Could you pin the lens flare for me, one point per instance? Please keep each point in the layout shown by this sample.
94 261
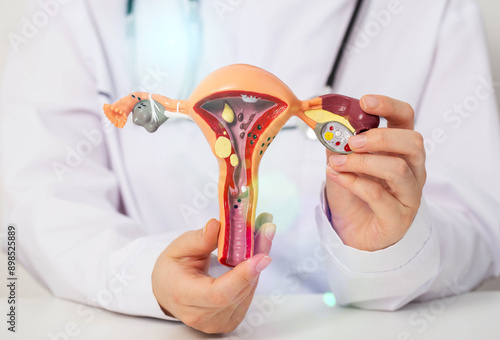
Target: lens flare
329 299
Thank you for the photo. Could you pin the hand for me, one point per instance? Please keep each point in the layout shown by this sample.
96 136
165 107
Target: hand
212 305
375 192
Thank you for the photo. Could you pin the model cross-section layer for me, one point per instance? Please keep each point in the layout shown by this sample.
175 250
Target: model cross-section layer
240 121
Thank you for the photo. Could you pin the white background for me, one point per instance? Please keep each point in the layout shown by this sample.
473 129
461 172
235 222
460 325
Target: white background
12 11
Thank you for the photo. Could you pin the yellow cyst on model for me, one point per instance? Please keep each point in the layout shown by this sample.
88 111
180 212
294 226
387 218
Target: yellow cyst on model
322 116
234 160
222 147
228 113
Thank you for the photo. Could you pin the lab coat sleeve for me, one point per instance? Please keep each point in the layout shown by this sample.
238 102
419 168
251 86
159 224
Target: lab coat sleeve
454 242
60 192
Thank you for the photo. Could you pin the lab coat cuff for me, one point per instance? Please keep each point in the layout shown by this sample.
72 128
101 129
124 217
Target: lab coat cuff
136 272
391 258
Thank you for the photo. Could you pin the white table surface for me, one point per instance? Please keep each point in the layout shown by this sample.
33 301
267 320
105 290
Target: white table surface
471 316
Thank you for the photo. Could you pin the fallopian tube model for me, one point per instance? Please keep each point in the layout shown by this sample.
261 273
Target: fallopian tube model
240 109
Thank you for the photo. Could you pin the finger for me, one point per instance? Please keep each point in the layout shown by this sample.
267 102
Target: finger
398 113
195 243
262 219
241 279
265 231
228 318
242 308
264 238
394 171
408 144
384 205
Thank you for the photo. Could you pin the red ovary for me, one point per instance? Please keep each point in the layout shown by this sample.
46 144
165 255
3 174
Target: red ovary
252 114
350 109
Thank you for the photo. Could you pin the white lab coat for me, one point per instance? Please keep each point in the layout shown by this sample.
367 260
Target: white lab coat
94 206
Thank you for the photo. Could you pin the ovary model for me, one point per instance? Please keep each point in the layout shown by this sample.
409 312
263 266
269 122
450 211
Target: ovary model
240 109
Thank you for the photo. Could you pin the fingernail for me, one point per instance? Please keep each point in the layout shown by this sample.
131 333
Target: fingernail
205 228
265 218
338 160
330 170
270 231
266 260
357 142
370 102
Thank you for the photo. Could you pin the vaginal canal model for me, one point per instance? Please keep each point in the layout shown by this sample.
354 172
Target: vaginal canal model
240 109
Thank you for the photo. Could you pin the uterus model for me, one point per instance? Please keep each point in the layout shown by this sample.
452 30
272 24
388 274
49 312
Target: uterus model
240 109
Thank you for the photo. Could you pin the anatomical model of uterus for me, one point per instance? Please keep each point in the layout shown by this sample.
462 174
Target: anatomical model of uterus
240 109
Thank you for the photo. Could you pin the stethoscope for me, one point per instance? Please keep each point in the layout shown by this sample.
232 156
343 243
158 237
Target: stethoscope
194 27
194 34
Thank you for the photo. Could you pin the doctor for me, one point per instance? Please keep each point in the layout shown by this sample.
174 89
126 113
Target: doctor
112 218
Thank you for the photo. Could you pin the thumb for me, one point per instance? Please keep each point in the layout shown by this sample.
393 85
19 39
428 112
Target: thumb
196 242
242 278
